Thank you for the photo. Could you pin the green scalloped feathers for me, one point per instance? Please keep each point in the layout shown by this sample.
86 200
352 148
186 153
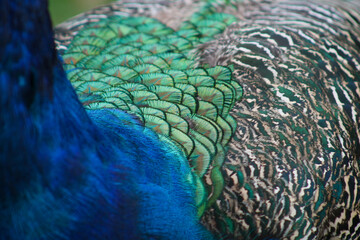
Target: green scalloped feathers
141 66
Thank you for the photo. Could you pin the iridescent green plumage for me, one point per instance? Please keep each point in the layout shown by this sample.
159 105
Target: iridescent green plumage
141 66
282 161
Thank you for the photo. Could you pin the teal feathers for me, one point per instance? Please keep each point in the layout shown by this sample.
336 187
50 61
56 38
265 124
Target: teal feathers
262 97
141 66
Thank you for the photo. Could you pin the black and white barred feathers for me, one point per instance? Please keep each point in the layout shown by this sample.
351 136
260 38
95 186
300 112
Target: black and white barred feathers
291 169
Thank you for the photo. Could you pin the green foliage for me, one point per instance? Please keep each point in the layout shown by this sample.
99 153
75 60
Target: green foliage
60 10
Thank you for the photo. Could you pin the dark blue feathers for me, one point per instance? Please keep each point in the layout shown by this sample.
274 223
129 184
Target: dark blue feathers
69 174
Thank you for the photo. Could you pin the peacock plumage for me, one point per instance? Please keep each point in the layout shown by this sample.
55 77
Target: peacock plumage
204 119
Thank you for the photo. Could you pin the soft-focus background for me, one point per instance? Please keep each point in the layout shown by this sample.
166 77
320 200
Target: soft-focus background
61 10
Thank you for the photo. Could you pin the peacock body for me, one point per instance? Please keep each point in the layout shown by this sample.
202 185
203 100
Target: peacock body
241 115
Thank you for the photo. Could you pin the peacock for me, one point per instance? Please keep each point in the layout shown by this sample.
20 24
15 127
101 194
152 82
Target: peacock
181 119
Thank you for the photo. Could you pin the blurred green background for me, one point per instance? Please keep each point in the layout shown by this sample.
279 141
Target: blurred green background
61 10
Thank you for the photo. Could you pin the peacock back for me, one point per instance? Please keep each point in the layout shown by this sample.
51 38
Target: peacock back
262 97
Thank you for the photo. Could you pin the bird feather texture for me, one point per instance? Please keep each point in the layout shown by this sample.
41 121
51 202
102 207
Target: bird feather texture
71 174
181 120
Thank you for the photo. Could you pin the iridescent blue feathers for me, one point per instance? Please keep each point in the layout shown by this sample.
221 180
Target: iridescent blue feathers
69 175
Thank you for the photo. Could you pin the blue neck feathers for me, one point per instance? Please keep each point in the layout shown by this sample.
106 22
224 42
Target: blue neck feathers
38 107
